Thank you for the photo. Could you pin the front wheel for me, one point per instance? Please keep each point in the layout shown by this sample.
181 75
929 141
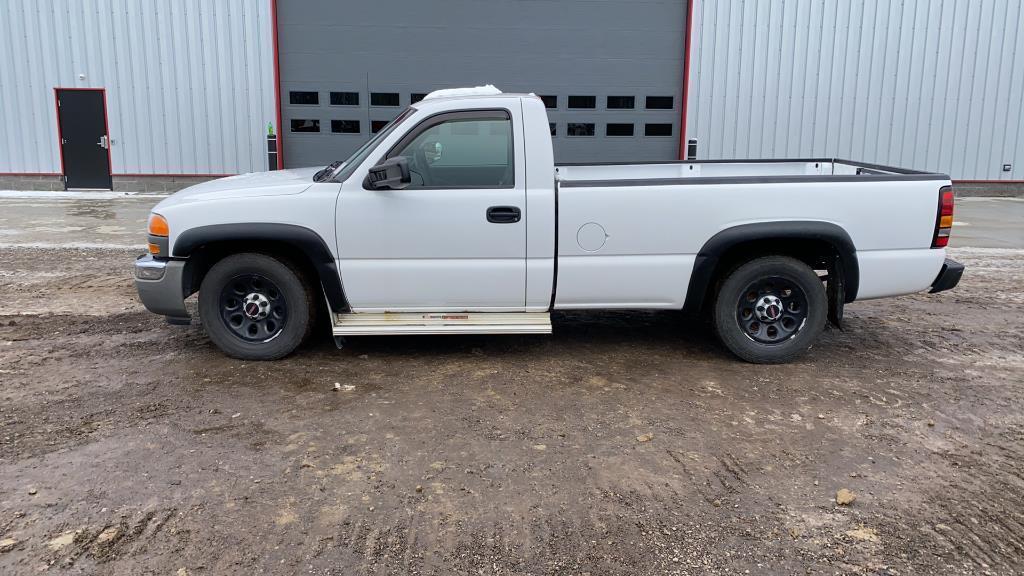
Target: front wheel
255 307
770 310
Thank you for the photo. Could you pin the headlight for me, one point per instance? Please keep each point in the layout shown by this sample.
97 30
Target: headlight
158 225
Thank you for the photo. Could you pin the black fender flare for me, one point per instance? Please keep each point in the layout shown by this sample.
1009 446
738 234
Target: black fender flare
300 238
706 264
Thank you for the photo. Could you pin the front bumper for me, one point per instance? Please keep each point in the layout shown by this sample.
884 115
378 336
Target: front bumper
948 277
161 287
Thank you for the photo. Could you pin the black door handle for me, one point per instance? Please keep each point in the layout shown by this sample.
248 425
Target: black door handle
503 214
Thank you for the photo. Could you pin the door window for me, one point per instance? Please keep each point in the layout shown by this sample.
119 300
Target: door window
461 152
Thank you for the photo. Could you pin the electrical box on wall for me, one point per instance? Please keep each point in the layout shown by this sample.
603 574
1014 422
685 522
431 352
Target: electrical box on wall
1007 167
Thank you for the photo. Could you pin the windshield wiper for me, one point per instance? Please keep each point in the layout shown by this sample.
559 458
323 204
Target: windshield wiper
325 174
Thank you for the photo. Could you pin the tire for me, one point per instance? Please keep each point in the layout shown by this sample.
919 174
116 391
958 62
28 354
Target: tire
770 310
256 307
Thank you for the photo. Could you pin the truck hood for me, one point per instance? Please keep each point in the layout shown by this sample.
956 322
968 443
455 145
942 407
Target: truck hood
273 183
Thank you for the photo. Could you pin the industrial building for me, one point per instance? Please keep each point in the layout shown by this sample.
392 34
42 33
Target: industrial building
143 94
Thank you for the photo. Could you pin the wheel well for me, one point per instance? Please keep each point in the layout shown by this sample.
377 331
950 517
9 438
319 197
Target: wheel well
817 254
206 256
204 246
820 245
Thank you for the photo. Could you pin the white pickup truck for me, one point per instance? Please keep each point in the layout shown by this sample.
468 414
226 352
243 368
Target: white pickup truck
454 219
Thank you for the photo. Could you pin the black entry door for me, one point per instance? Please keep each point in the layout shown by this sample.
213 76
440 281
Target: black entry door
85 144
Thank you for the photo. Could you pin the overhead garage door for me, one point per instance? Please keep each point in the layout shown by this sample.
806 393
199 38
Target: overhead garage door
610 71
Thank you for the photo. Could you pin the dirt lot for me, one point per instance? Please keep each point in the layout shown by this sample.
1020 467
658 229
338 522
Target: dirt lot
627 443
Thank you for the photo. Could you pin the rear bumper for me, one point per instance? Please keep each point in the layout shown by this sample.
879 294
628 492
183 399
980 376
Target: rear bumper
160 287
948 277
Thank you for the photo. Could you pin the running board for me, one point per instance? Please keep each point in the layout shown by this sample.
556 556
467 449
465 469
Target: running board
381 323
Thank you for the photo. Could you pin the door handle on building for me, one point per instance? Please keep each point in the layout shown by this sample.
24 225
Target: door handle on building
104 142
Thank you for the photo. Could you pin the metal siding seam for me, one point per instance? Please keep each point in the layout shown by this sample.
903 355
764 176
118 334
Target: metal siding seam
188 143
1008 152
923 113
210 85
18 82
976 115
177 81
949 110
1017 151
764 91
812 145
145 162
809 103
42 143
772 142
199 133
961 149
727 113
815 87
243 163
897 123
5 98
759 61
826 146
712 107
971 168
23 57
239 126
8 96
926 115
742 107
857 43
227 108
989 138
877 79
250 132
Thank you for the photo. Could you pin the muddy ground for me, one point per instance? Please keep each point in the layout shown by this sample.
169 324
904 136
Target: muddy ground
626 443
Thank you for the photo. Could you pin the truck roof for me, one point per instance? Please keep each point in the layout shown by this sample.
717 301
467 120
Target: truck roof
474 91
485 90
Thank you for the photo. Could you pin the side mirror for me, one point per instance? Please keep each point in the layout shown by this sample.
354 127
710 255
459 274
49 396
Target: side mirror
392 174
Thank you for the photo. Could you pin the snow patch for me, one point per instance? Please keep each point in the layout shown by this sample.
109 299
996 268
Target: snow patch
486 90
69 195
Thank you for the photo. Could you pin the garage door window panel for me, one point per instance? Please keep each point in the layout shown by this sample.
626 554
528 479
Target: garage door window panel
305 125
460 150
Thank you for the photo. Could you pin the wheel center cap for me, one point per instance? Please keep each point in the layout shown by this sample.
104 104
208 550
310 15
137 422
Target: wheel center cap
256 306
768 308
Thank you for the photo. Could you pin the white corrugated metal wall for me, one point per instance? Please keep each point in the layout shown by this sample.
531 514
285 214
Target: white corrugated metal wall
189 83
927 84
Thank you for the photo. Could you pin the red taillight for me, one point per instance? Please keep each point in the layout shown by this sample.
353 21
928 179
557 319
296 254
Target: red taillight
944 220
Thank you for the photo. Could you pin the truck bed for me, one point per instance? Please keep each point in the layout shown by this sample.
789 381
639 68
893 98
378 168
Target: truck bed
656 217
731 171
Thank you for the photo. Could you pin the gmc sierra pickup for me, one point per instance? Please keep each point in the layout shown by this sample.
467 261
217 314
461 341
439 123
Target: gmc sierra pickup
454 219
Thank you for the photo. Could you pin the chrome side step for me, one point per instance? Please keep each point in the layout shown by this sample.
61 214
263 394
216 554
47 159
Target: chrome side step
382 323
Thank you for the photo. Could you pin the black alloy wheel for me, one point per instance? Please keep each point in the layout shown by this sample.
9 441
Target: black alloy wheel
770 310
253 308
256 306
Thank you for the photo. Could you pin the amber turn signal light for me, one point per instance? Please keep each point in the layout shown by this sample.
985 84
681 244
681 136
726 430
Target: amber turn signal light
158 225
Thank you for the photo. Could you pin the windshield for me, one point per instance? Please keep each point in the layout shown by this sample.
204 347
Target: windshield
356 158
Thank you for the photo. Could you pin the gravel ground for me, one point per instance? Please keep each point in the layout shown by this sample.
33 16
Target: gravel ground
626 443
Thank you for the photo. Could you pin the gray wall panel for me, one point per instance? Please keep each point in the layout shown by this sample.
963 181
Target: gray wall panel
189 83
570 47
927 84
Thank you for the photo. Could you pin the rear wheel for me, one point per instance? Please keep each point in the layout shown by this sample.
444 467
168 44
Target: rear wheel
770 310
255 307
